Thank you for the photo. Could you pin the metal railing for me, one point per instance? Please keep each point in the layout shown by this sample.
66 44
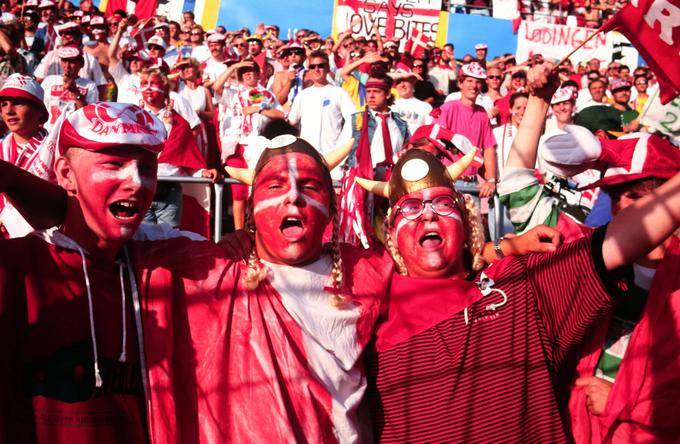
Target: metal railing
218 189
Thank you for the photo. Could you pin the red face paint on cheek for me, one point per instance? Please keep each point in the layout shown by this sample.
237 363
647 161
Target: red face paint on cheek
114 192
430 245
291 204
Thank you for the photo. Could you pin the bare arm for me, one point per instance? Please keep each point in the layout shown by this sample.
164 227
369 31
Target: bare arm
218 84
346 70
41 203
115 43
542 83
540 239
642 226
6 45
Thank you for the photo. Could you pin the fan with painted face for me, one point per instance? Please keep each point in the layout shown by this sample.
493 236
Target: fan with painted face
432 230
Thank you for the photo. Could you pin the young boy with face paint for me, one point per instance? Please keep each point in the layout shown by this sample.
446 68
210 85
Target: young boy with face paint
69 315
474 359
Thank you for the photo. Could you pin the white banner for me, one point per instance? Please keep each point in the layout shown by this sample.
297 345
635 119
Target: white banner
663 118
393 19
557 41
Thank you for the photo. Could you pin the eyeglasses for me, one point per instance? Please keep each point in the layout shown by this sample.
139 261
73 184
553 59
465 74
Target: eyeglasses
317 66
640 83
412 209
494 77
196 33
155 48
354 54
417 66
295 52
347 45
240 45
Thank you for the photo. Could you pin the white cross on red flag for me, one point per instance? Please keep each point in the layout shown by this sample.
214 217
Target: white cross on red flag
417 44
143 32
653 26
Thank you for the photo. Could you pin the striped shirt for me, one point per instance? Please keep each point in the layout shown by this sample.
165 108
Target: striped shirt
491 379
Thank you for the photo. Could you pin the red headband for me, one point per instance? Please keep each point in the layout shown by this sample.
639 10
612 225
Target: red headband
377 84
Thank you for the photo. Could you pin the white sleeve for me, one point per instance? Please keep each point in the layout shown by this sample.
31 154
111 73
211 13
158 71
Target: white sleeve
347 107
118 72
92 93
183 108
294 115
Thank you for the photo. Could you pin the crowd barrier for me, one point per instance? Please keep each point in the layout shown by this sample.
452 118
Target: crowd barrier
218 190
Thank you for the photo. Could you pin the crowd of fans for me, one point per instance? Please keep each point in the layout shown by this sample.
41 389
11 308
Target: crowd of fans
583 13
561 146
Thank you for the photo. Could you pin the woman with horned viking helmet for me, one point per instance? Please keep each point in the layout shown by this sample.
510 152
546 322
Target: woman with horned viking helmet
467 356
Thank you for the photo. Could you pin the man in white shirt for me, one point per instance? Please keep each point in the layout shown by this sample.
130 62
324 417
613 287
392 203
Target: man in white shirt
214 66
68 92
415 112
321 109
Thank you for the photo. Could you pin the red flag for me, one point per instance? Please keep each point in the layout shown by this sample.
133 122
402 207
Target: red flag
417 44
653 26
143 9
143 32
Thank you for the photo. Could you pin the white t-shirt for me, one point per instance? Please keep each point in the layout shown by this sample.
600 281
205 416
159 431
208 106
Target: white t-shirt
196 97
58 101
129 85
50 65
415 112
213 69
321 112
184 109
201 53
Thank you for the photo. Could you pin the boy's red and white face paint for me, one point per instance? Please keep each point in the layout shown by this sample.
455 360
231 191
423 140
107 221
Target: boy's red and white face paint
115 189
291 206
430 245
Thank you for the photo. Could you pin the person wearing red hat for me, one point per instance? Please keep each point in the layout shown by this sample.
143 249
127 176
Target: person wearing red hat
71 35
464 116
23 112
67 92
78 358
616 387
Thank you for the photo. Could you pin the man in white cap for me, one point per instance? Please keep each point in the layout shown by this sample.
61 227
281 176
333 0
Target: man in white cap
81 360
214 66
413 111
67 92
481 49
562 104
70 35
46 28
171 54
23 112
465 117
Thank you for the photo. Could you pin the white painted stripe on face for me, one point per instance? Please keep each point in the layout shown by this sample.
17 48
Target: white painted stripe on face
129 172
404 221
292 195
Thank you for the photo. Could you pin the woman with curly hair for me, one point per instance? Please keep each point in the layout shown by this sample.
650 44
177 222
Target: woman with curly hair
464 355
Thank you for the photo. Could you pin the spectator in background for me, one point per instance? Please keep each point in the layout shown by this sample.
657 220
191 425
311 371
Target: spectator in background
424 89
505 134
23 112
126 78
321 110
199 50
214 65
71 36
640 83
412 110
596 95
518 82
465 117
562 105
67 92
288 84
443 74
481 51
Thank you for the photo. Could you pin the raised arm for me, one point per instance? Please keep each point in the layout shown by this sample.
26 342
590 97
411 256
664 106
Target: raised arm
542 83
218 84
115 42
642 226
41 203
